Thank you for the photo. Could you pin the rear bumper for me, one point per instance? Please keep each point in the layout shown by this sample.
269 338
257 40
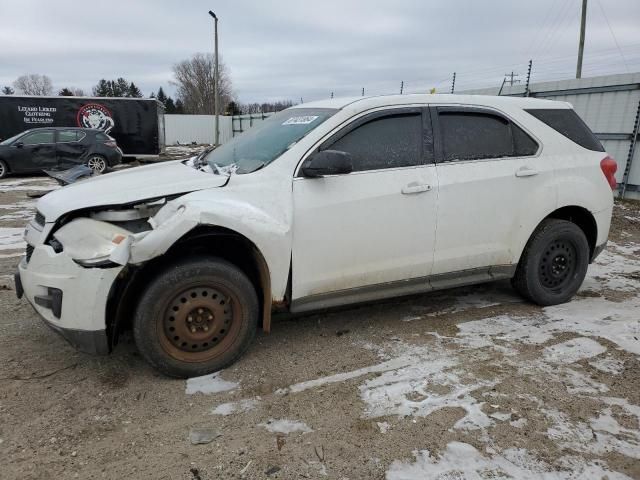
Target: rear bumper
70 299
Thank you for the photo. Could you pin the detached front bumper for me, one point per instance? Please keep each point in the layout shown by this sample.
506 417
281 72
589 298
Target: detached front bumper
70 299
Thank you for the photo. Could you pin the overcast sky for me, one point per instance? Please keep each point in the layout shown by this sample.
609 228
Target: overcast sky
277 49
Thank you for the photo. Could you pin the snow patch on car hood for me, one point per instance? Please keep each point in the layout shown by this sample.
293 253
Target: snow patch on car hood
127 186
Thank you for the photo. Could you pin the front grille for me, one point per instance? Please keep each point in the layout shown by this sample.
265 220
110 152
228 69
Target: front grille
29 252
39 218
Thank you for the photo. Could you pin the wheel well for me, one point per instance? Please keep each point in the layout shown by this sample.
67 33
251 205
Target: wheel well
221 242
583 218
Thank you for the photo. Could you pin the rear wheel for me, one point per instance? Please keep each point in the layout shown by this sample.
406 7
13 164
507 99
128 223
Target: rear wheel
4 171
97 163
553 264
196 318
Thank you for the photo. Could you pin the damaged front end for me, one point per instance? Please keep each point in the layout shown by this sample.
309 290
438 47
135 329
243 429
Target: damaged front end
76 270
105 237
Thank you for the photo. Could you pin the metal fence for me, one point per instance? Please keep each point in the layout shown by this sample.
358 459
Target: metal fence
610 105
185 129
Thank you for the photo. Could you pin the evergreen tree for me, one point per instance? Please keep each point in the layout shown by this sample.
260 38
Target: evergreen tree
161 96
169 106
8 91
179 107
133 91
153 95
103 89
65 92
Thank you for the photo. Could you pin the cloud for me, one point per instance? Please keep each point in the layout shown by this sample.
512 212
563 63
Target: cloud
287 49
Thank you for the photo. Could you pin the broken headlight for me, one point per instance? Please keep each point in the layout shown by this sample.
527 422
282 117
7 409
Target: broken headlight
93 243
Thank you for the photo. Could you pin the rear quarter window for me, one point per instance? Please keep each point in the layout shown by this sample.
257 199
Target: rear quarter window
102 137
567 122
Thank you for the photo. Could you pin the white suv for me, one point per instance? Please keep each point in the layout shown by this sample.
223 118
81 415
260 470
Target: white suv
325 204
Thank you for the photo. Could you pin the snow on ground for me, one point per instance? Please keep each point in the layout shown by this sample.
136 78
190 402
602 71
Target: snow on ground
11 239
285 426
212 383
28 184
461 461
236 407
416 380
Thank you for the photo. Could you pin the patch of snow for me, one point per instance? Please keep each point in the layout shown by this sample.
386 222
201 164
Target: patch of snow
573 350
603 434
285 426
611 270
211 383
478 299
461 461
11 238
608 365
519 423
235 407
502 416
383 426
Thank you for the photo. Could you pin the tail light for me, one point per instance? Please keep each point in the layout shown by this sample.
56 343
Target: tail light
113 144
609 167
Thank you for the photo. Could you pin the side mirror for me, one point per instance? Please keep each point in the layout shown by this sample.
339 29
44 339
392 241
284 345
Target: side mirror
18 144
327 162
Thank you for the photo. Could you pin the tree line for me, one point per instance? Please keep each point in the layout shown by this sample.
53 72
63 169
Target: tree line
193 82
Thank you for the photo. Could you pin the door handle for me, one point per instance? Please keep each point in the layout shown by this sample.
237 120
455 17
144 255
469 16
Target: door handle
526 172
415 187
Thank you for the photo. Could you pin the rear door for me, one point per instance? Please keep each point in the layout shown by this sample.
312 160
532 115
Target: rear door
35 151
72 147
489 169
373 227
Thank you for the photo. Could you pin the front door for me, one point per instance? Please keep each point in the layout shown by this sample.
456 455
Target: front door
35 151
370 233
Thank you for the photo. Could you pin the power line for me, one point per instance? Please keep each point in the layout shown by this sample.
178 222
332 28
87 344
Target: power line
613 35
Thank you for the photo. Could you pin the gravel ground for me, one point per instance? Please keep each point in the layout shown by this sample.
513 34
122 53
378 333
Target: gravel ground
464 384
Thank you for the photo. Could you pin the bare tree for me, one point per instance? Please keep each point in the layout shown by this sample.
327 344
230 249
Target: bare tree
34 84
195 86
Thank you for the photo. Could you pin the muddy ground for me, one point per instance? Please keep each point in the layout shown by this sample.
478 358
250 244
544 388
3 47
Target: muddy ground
469 383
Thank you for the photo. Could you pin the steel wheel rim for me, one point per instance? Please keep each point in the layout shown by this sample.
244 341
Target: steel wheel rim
2 170
558 264
199 323
97 164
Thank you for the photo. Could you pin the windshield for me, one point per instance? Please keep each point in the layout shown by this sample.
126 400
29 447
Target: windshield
265 142
9 141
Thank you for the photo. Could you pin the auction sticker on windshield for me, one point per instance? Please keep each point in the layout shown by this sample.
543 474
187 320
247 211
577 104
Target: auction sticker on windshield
305 120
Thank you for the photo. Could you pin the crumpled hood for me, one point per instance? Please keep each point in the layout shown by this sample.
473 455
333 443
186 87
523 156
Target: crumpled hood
127 186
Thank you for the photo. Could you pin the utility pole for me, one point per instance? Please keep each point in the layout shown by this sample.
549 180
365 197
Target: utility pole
453 82
583 25
526 88
401 86
216 74
511 78
363 91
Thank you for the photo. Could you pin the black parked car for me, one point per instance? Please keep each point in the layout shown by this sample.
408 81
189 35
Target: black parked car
58 149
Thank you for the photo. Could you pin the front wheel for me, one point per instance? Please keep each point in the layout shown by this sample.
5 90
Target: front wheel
4 171
553 264
196 318
97 163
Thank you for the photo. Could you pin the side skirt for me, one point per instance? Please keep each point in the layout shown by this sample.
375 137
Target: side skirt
402 288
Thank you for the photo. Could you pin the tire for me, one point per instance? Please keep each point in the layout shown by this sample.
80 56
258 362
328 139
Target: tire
197 317
97 163
553 264
4 170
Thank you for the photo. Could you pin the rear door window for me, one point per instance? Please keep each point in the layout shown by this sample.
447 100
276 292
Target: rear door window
391 141
474 135
67 136
567 122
